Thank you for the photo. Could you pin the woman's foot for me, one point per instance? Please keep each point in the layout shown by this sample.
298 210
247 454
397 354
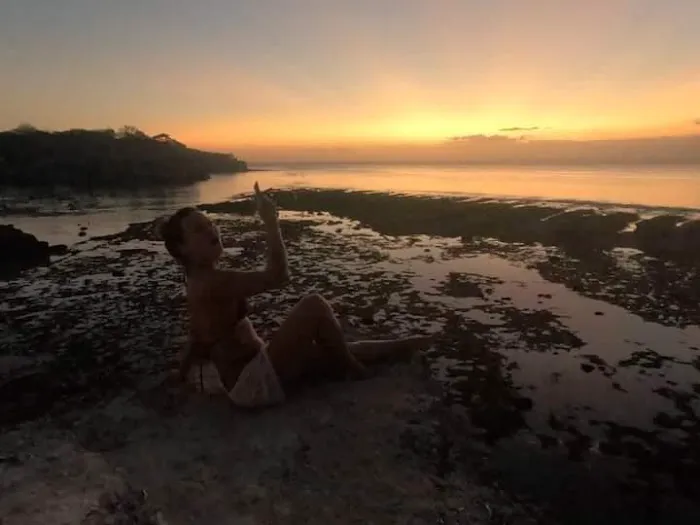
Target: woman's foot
419 342
357 371
412 345
389 349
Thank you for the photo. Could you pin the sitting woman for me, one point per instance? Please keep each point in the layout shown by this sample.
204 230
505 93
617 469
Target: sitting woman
253 372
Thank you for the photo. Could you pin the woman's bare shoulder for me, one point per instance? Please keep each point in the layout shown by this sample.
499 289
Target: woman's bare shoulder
242 284
205 287
220 284
227 283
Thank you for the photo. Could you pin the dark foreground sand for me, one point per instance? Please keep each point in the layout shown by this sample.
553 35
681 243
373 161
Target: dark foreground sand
564 383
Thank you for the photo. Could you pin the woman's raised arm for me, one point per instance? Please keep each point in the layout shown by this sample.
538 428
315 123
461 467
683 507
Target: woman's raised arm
276 272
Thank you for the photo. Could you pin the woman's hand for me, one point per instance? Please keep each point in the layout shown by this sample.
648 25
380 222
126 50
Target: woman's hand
174 378
266 208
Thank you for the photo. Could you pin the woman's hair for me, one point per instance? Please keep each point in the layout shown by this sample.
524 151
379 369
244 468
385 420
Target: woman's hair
172 233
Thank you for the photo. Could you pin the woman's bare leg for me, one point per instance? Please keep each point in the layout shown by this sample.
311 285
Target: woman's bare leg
373 351
311 329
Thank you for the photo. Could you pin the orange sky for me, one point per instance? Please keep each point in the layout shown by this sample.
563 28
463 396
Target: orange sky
415 115
259 76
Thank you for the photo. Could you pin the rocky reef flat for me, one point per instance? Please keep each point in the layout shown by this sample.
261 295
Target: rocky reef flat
563 382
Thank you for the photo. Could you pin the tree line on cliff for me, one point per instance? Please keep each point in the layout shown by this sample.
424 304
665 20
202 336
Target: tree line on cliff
107 158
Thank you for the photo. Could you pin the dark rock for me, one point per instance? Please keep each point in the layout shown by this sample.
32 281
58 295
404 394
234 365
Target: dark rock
463 285
665 420
523 403
594 359
689 233
547 441
610 448
20 250
577 447
670 236
58 249
127 506
580 231
587 368
658 234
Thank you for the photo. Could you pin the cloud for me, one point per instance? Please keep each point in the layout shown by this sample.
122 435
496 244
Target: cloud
499 149
518 128
482 138
697 121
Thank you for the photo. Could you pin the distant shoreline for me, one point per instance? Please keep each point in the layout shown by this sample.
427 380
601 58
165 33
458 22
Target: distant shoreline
476 164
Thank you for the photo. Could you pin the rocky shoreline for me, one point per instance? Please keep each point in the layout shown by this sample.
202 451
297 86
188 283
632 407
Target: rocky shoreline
523 371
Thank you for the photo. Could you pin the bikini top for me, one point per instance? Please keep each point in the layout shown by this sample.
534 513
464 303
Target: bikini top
242 310
205 348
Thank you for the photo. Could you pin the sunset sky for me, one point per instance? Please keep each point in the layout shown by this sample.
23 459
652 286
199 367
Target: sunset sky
251 75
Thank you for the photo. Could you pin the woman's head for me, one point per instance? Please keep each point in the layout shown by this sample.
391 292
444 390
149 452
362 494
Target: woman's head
191 238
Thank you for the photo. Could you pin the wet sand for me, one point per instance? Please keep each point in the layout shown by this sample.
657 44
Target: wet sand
566 370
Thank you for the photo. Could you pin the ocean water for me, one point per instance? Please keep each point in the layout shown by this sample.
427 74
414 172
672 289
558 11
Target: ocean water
61 216
651 186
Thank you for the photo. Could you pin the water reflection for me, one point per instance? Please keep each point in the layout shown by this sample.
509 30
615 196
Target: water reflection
103 213
655 186
57 217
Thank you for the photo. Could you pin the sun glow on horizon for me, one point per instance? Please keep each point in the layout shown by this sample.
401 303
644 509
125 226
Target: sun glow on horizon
333 74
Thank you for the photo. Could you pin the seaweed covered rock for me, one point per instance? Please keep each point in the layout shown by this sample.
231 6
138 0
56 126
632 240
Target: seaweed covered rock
689 233
658 235
670 236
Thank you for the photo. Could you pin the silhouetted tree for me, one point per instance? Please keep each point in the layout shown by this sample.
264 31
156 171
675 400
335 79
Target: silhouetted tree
131 131
167 139
25 128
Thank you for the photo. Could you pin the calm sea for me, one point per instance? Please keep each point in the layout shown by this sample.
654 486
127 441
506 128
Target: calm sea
649 186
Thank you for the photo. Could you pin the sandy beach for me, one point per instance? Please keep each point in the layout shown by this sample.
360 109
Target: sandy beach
563 384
